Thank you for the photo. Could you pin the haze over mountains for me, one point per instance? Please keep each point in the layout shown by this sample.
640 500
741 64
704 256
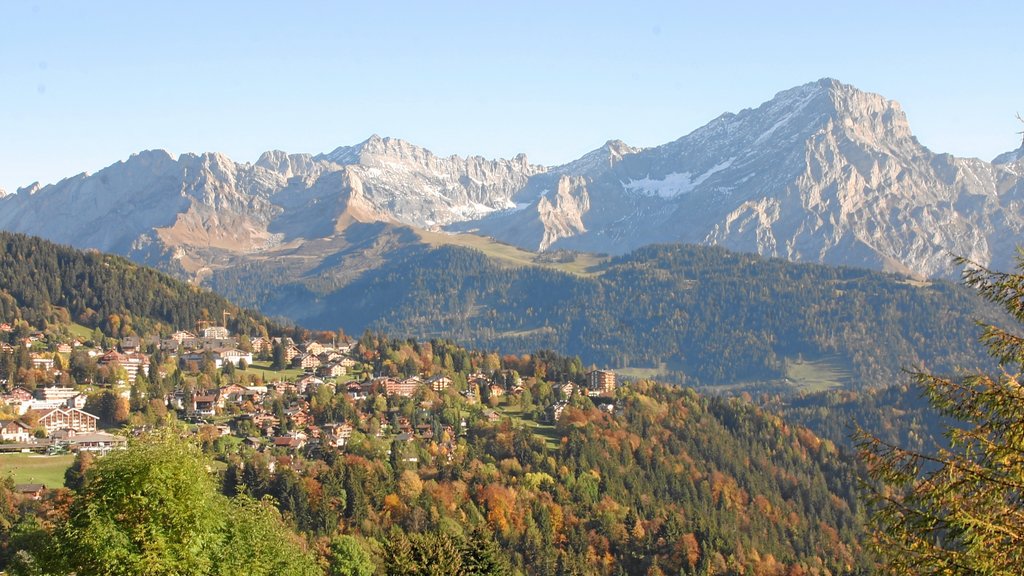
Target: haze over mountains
821 173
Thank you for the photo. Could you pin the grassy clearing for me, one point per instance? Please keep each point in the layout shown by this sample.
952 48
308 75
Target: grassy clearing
264 369
79 331
636 373
819 374
524 333
37 469
508 255
546 431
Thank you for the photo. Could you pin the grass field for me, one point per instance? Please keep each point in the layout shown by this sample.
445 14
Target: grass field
506 254
546 431
34 468
818 374
634 373
80 331
264 368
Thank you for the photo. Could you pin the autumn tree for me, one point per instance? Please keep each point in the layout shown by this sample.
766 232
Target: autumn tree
959 509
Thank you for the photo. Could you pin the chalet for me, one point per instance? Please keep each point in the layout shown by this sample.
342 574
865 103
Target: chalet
496 391
289 442
254 394
306 362
492 416
261 345
308 383
233 393
77 401
265 421
347 362
315 348
131 344
329 356
439 383
19 399
14 431
337 435
357 390
204 405
332 370
30 491
253 442
298 417
424 431
66 418
64 348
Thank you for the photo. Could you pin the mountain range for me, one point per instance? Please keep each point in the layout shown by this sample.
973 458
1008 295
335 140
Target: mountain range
821 173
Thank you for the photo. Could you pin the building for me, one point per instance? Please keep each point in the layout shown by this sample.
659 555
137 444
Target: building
216 332
306 362
56 393
602 382
233 355
100 442
67 419
42 362
439 383
133 364
14 431
407 387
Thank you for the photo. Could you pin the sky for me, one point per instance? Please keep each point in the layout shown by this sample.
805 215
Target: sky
86 84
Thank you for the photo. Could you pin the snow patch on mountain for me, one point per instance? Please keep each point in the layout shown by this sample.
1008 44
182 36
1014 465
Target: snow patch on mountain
674 184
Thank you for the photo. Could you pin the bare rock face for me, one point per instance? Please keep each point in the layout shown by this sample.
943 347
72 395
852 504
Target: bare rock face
418 188
820 173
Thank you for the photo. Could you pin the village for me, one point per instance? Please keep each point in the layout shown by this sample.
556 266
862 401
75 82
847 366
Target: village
327 394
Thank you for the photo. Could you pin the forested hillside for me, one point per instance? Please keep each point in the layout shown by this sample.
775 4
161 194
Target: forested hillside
42 282
699 315
674 480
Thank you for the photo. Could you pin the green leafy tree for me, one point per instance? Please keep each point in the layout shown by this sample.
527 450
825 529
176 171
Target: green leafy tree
959 509
154 510
347 557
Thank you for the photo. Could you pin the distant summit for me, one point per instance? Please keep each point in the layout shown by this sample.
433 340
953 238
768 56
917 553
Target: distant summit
822 172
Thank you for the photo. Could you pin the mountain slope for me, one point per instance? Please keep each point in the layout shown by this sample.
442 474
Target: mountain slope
707 315
42 282
821 173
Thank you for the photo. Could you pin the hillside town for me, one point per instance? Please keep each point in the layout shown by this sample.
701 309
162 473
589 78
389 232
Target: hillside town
268 393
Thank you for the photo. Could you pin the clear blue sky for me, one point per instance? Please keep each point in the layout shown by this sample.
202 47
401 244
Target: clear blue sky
85 84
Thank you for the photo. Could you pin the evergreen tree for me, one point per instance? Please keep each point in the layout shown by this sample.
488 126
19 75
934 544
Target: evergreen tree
959 510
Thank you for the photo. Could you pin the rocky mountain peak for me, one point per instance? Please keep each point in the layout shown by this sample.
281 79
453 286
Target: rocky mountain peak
30 189
1010 157
288 165
598 161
